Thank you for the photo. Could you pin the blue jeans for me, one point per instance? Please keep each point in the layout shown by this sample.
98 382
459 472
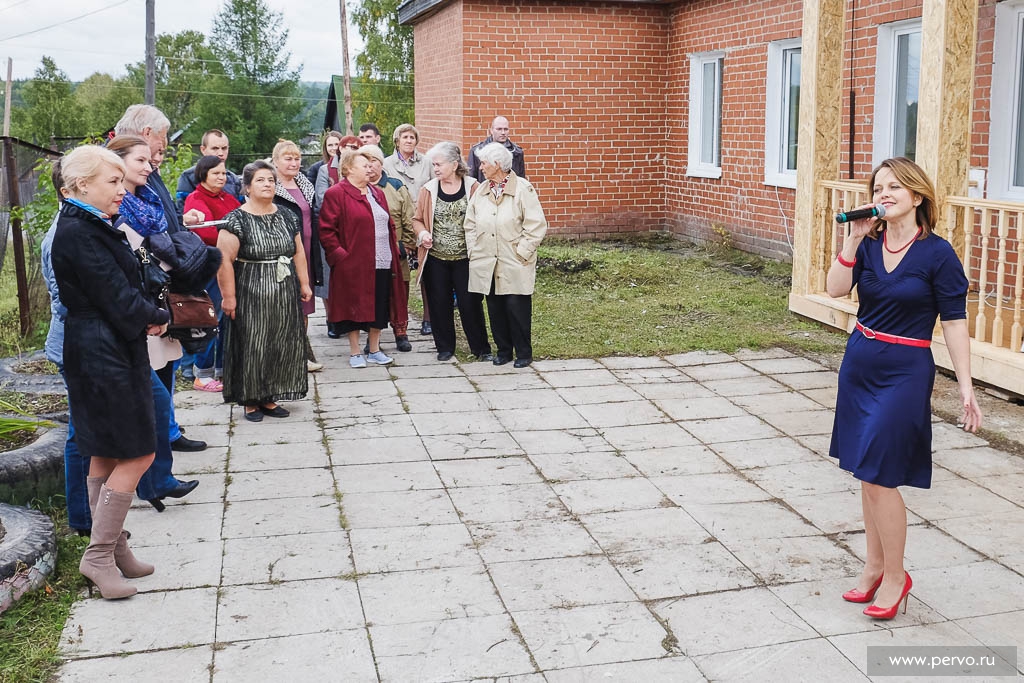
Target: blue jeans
158 480
166 377
206 364
76 469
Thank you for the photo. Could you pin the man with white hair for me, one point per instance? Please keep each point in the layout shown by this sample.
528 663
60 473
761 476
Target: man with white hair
150 124
498 132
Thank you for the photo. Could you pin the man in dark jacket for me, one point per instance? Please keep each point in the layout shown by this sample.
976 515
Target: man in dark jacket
498 132
215 143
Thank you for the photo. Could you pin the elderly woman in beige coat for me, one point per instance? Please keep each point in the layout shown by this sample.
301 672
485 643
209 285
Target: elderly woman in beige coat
504 226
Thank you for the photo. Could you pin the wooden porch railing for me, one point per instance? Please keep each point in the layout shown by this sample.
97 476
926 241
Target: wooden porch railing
989 238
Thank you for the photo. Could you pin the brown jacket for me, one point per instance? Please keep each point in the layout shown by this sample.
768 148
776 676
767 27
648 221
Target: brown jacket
423 221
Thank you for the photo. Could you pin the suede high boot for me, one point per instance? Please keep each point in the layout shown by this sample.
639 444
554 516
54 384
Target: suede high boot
97 563
129 565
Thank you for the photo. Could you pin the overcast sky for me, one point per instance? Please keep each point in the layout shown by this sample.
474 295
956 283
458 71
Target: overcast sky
108 39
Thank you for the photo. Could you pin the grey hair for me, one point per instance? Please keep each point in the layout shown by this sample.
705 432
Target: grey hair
405 128
449 151
138 117
496 153
373 151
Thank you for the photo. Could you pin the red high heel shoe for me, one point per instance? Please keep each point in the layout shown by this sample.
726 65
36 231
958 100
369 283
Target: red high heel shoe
856 596
876 612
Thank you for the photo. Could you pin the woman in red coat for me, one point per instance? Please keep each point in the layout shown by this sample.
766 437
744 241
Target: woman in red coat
359 241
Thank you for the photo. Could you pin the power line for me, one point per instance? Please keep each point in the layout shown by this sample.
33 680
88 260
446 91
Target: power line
66 21
15 4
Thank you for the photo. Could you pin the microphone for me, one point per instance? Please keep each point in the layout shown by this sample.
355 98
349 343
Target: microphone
857 214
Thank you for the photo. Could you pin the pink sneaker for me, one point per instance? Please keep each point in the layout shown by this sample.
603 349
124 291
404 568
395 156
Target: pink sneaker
211 385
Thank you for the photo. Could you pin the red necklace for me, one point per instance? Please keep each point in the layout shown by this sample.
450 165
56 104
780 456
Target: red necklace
885 243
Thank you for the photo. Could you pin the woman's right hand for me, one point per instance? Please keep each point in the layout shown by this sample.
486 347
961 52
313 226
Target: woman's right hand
427 240
156 330
228 306
860 229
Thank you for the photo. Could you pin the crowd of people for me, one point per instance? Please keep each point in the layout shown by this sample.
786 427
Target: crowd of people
353 229
123 258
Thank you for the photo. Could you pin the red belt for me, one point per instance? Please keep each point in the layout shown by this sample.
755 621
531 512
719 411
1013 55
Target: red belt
893 338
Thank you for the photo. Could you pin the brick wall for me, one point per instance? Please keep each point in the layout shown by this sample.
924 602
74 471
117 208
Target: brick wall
598 96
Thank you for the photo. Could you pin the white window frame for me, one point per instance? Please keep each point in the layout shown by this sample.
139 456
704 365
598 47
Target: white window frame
775 120
885 84
1006 102
695 167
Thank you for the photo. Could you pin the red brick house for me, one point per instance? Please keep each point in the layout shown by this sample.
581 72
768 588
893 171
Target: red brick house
648 115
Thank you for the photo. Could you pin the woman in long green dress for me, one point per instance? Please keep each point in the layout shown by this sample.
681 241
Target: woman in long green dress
262 279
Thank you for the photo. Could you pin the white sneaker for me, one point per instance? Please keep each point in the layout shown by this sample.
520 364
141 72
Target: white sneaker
380 358
357 361
313 366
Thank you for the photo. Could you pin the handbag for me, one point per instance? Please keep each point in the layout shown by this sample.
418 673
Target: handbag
191 311
155 280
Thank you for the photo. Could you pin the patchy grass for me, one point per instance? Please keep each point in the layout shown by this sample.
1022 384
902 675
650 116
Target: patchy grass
657 296
32 627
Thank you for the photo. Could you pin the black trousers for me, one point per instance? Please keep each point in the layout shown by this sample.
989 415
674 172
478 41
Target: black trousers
510 316
440 279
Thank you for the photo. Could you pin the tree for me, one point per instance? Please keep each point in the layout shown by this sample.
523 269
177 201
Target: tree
102 99
383 91
49 107
257 98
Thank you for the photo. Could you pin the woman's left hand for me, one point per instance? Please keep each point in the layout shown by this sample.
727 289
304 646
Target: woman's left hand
156 330
971 417
305 293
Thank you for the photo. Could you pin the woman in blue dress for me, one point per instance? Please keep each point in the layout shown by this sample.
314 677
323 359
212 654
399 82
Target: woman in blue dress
905 276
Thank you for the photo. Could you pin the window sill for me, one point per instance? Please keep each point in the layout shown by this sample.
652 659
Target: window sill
780 180
704 172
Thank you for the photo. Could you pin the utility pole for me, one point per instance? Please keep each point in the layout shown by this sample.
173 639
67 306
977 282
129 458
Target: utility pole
150 51
346 72
7 99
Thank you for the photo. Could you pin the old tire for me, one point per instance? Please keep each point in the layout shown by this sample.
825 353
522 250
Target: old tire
34 471
28 552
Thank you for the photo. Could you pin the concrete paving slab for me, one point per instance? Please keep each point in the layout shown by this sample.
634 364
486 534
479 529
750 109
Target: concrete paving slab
399 549
808 380
395 476
541 419
369 427
158 620
802 423
267 610
594 634
255 457
428 595
574 466
269 484
463 446
763 452
826 397
283 432
652 529
998 629
975 463
613 393
802 479
666 375
955 498
568 364
929 547
724 487
452 403
523 398
532 539
729 370
800 558
162 666
787 402
360 406
188 524
779 664
633 362
579 378
193 565
211 460
601 415
945 435
698 358
483 504
745 386
648 436
768 620
737 522
820 604
781 366
761 354
970 590
280 517
673 390
664 670
680 460
560 441
559 582
378 450
380 387
451 649
425 371
746 428
487 472
698 408
996 535
398 508
609 495
510 381
444 422
435 386
703 568
293 557
333 655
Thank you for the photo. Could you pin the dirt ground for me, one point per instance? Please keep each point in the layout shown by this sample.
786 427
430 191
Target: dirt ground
1003 420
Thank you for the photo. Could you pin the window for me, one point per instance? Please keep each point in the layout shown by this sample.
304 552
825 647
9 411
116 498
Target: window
1006 134
782 113
705 136
896 89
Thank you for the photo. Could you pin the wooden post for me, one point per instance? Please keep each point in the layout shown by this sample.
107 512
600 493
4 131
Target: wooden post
150 52
949 30
7 99
821 100
14 195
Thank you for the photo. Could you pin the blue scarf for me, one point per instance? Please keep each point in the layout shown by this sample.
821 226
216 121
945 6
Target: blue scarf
144 211
105 217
